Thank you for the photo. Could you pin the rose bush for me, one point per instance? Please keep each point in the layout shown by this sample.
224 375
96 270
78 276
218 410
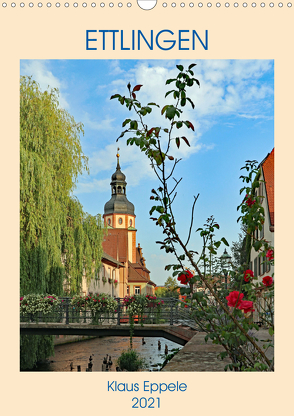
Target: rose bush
216 312
248 274
185 277
267 281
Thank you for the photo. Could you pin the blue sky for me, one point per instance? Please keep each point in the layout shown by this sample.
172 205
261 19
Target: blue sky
233 120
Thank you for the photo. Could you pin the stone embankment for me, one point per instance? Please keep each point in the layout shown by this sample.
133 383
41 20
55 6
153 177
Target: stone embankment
197 355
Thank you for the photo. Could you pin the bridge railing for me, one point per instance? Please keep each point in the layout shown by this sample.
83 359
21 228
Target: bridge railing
170 312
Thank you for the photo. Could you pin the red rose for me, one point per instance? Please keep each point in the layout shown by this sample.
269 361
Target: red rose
185 277
234 298
267 281
247 274
246 306
250 202
270 255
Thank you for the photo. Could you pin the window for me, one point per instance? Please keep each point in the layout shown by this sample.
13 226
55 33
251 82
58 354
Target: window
264 265
137 290
262 231
128 290
259 266
268 267
131 223
120 220
108 221
255 267
260 192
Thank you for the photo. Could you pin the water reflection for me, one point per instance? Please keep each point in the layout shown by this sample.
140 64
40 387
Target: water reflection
78 353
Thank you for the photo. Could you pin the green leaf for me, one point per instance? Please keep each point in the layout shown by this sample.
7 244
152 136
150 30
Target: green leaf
183 102
180 67
170 80
191 102
271 331
169 92
225 241
177 142
191 66
126 122
134 125
153 104
170 112
164 109
115 96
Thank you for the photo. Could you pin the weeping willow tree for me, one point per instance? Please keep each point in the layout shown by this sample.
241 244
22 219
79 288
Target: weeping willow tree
59 243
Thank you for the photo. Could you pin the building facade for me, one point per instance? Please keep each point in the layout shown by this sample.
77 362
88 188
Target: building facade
266 190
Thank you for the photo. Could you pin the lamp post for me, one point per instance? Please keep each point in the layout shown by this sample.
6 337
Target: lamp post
225 260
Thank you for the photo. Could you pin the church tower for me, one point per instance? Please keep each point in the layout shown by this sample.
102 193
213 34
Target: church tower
119 212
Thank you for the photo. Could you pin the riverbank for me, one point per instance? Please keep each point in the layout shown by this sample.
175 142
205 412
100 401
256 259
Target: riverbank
68 339
198 355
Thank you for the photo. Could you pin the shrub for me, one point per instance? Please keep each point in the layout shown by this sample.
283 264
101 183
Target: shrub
130 360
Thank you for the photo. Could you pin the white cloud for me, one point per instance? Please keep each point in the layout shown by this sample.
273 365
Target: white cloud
95 185
45 78
105 124
226 88
103 163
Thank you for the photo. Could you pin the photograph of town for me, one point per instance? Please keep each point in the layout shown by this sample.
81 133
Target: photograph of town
146 215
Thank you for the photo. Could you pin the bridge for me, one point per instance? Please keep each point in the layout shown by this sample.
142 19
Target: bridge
176 333
172 322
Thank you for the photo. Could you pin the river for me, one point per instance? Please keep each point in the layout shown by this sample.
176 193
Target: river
79 352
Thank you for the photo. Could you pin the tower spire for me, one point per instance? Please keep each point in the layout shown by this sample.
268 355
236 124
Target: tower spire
117 155
118 203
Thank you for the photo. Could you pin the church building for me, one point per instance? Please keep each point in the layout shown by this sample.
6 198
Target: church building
124 270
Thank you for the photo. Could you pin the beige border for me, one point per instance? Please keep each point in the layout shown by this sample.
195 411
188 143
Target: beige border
60 33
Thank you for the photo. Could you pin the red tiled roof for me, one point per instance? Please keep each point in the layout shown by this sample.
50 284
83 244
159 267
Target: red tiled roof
134 276
269 177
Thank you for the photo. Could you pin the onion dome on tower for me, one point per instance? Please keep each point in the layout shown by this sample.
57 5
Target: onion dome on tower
118 204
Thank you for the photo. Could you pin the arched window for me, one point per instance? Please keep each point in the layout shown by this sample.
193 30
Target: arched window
119 189
131 223
113 190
